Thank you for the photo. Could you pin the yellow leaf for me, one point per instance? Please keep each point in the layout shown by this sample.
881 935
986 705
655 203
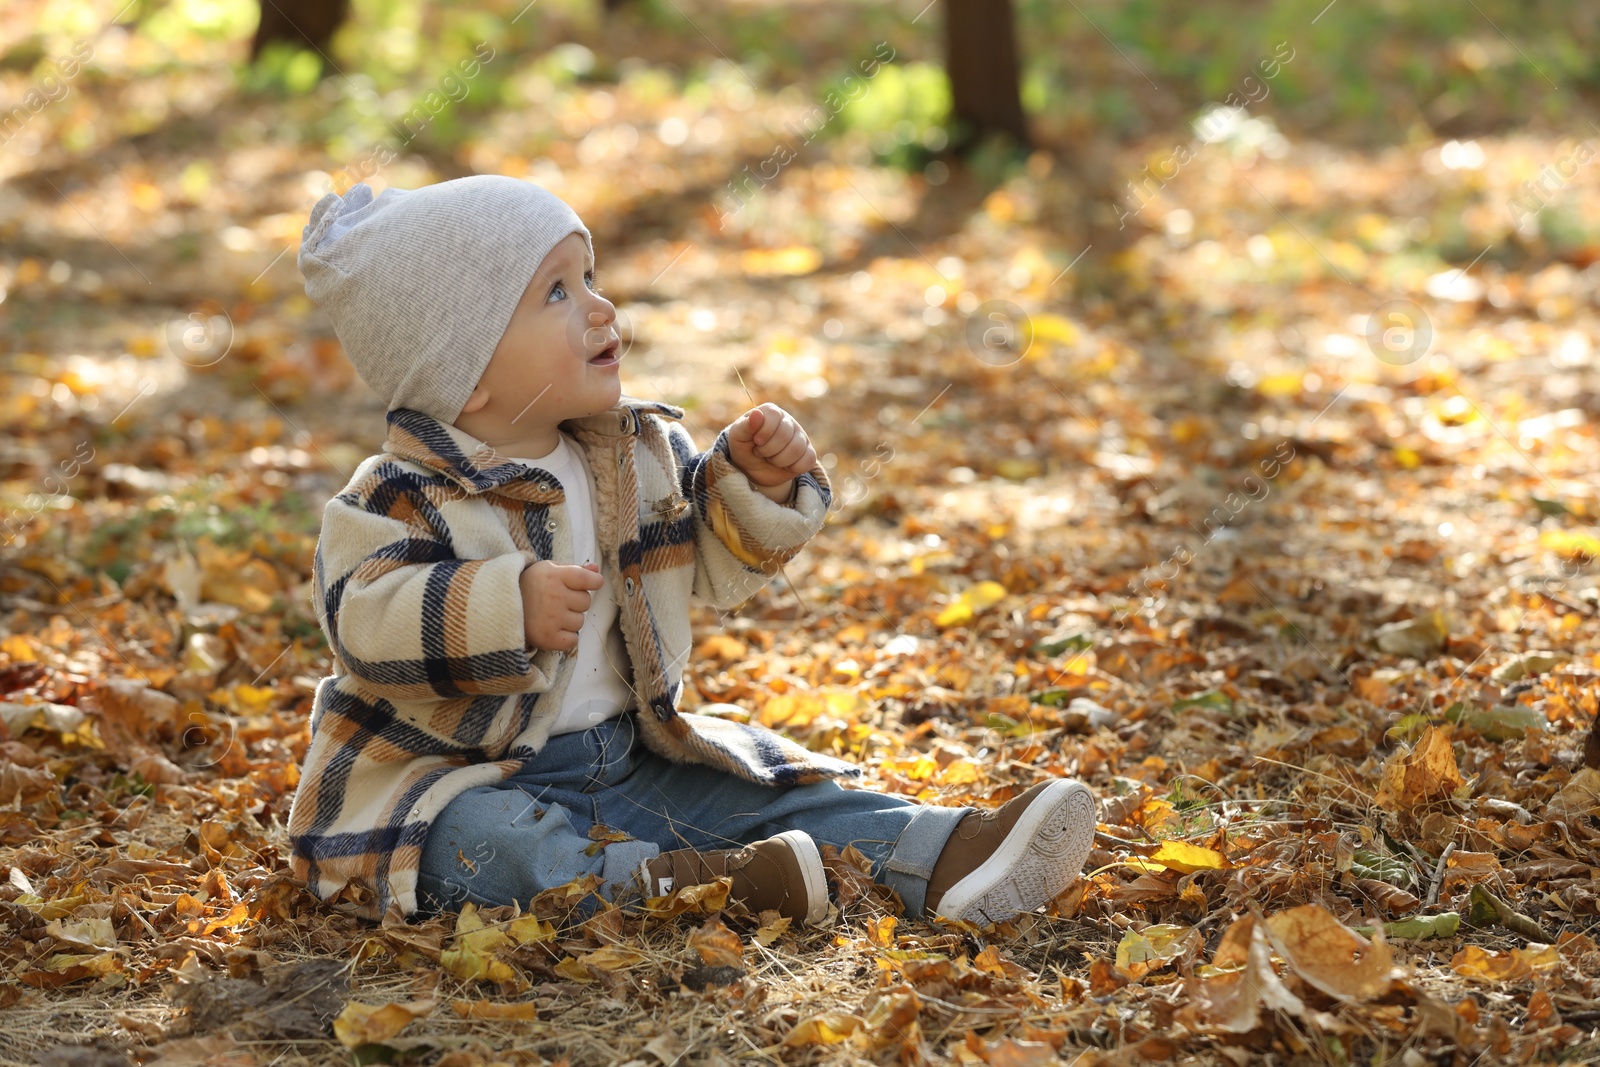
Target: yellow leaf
771 931
961 772
525 1011
1189 428
470 966
880 931
796 711
234 576
1150 949
702 898
792 710
722 648
51 909
612 958
1571 543
1491 966
1048 327
529 929
978 598
237 914
78 966
829 1028
791 260
1185 858
373 1024
251 699
1278 386
571 968
471 958
19 648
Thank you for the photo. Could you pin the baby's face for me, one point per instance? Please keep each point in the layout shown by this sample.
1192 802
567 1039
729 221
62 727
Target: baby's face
559 356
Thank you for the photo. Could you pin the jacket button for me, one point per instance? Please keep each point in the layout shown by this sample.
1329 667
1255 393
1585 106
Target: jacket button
551 526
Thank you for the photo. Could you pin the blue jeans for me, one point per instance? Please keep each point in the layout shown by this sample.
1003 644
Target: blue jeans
504 843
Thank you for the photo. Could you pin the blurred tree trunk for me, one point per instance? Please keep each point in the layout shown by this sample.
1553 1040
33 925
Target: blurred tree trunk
980 39
985 80
303 23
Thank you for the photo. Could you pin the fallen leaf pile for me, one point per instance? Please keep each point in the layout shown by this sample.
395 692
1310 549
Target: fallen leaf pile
1321 629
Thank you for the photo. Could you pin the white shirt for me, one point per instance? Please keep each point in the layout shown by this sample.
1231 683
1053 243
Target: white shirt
600 688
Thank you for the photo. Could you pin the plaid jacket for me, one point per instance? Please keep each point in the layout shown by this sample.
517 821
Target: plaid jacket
434 689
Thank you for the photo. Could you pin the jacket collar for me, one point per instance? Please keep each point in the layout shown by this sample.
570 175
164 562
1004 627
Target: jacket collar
475 465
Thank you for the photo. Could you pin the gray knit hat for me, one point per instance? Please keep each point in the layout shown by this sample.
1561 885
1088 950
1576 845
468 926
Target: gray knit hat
420 284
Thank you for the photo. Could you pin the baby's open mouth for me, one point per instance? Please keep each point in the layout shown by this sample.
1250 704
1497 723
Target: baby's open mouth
607 357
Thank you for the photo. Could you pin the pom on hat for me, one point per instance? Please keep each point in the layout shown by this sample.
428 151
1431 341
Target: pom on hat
420 284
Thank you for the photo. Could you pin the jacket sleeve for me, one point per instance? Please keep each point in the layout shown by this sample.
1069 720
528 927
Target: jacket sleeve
741 538
407 618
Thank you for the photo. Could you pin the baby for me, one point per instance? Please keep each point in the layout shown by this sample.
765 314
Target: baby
505 590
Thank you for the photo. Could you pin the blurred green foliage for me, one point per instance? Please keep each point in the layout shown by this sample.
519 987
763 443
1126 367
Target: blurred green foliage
1374 72
902 108
1369 72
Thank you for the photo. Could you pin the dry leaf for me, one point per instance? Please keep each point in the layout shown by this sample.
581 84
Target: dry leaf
373 1024
1420 775
1391 899
83 933
612 958
1420 638
1491 966
1231 993
25 785
525 1011
702 898
471 958
1185 858
1331 956
773 926
236 577
1579 797
978 598
717 945
1150 949
829 1028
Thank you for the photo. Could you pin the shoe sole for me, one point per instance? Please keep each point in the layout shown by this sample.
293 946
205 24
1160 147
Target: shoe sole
811 873
1041 856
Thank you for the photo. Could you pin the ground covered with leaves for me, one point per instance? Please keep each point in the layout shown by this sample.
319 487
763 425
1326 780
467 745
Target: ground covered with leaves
1259 495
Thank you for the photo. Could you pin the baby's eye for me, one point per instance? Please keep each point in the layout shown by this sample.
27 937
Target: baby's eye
588 277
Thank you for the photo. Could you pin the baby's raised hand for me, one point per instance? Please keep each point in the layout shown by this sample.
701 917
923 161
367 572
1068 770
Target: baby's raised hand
768 444
554 598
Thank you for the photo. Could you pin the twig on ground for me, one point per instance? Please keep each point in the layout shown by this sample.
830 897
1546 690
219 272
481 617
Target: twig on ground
1438 875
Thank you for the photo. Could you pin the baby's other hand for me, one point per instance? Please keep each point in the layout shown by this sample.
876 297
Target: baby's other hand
554 598
768 444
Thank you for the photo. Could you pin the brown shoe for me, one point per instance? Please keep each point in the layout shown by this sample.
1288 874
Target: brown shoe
1016 857
782 872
